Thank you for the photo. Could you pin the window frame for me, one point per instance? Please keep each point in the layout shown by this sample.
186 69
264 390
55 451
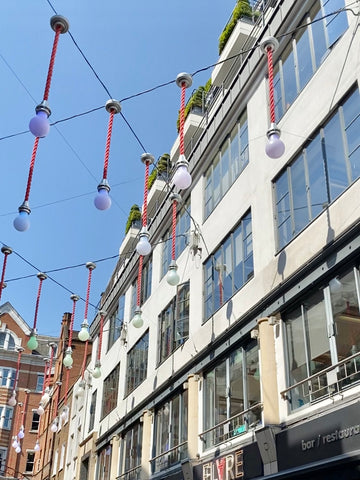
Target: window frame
110 392
136 373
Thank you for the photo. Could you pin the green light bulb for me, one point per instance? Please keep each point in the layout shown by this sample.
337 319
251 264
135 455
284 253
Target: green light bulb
97 372
32 344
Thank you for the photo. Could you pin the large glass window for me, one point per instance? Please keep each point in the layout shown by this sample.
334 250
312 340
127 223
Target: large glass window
35 421
171 432
227 164
322 330
231 388
304 53
145 286
104 464
137 360
7 341
110 391
30 459
229 267
321 172
6 414
92 411
3 452
130 459
183 222
7 377
174 322
116 321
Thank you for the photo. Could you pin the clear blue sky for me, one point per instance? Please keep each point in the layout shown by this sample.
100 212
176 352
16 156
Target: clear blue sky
132 46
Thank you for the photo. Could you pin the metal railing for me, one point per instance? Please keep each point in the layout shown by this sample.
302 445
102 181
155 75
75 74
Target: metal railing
170 457
323 384
132 474
233 426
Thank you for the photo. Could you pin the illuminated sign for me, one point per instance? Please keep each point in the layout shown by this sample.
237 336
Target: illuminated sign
229 467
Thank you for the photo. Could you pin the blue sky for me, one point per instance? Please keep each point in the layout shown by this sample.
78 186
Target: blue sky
132 46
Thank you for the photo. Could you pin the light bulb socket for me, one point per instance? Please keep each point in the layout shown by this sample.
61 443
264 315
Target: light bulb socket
175 197
184 78
181 162
85 324
273 129
173 265
147 158
43 107
24 207
6 250
57 21
74 297
269 42
68 351
97 364
113 106
41 276
137 310
103 185
90 265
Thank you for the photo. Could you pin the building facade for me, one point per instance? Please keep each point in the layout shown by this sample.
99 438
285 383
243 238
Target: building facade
249 367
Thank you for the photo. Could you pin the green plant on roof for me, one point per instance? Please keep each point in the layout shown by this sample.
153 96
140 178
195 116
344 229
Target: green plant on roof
134 215
242 9
196 100
163 165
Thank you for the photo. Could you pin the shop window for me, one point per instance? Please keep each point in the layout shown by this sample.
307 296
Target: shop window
131 449
104 464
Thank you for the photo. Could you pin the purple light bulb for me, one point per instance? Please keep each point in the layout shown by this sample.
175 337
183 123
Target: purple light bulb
22 222
39 125
275 146
102 201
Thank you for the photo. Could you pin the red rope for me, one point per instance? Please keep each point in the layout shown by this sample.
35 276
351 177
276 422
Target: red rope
100 336
108 140
52 61
24 408
37 303
146 189
17 369
182 118
88 294
72 323
3 272
50 363
45 377
66 385
84 359
56 402
173 245
31 169
138 296
271 84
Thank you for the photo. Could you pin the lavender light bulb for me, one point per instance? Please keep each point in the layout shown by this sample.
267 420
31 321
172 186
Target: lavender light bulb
39 125
22 222
102 201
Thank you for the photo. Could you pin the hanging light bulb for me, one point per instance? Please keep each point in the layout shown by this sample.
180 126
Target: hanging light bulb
12 399
172 276
21 433
68 360
32 343
22 222
46 396
102 201
65 414
137 320
39 125
97 372
15 443
182 177
275 146
18 449
40 410
84 332
54 426
143 247
81 389
37 446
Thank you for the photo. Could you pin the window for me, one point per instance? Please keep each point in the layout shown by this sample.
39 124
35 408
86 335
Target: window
229 267
35 420
54 469
3 452
30 458
92 411
39 382
227 164
110 391
231 387
7 377
6 414
131 449
321 330
171 432
321 172
7 341
115 321
183 222
62 457
306 51
145 286
174 322
104 464
137 363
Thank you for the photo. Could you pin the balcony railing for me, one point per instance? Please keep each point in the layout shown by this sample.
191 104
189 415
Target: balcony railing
132 474
232 427
170 457
323 384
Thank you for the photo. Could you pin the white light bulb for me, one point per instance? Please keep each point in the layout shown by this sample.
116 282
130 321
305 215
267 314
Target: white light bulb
84 332
68 360
137 320
97 372
144 246
65 414
182 177
37 446
12 400
21 433
172 276
40 410
275 146
18 449
54 426
46 397
15 443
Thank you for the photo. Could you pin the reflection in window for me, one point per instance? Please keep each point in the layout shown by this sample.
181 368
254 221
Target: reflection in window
137 360
229 267
227 164
174 322
321 172
231 387
110 391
